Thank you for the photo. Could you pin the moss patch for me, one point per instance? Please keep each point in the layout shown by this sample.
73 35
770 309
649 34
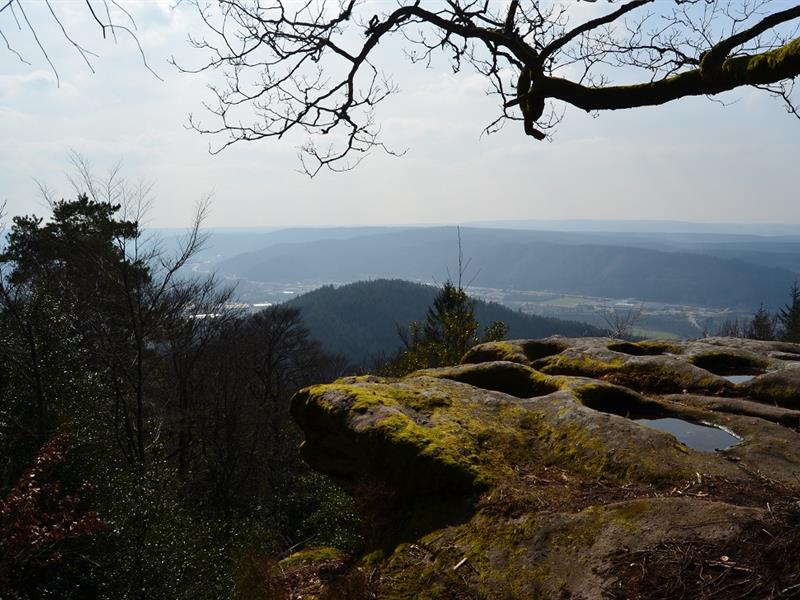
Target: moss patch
494 351
635 349
500 376
578 364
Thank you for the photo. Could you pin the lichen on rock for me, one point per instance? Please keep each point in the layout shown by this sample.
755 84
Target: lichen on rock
502 475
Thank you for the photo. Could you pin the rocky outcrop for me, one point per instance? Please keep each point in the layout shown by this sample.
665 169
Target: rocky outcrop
526 472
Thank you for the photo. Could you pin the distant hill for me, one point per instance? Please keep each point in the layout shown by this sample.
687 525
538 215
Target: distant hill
725 241
645 226
524 260
358 320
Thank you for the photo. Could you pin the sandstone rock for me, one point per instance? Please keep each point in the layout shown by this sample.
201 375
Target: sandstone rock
524 473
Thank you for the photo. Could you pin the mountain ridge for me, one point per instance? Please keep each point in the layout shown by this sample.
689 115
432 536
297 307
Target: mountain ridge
512 260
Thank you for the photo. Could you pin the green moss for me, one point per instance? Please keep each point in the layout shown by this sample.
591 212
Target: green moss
765 67
626 515
461 445
579 535
662 346
370 395
583 532
572 446
494 351
500 376
414 572
653 375
580 365
311 556
579 447
633 349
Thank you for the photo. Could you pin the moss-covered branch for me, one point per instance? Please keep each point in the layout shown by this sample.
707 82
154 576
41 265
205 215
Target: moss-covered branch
759 69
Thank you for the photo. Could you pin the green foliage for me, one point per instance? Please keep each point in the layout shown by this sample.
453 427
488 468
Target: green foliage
495 332
43 377
448 332
329 518
450 327
158 547
78 256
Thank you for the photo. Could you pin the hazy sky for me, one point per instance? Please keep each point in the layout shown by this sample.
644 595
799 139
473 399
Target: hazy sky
693 160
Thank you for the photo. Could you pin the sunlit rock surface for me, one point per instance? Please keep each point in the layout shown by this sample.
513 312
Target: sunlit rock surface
524 473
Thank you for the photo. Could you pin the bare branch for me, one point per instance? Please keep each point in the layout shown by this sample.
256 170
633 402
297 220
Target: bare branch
108 25
38 43
565 39
722 49
311 69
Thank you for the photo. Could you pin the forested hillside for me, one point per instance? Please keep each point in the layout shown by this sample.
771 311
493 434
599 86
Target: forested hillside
359 320
524 261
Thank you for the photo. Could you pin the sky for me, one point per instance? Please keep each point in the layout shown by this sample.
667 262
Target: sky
692 160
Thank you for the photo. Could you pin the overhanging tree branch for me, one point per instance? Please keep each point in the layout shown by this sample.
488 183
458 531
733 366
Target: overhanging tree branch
312 69
761 69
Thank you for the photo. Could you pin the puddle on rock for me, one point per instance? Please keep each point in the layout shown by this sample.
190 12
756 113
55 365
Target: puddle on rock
737 379
705 438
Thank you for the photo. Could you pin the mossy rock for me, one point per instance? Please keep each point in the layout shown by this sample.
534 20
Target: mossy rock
521 351
501 376
635 349
781 388
522 474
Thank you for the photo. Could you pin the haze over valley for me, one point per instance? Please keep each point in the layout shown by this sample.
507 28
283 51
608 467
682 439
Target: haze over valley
686 282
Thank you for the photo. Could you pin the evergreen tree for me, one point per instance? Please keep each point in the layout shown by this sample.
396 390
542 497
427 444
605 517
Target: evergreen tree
449 330
450 326
789 316
762 325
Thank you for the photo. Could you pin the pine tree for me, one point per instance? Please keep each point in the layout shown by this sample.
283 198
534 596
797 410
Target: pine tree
762 325
789 316
450 326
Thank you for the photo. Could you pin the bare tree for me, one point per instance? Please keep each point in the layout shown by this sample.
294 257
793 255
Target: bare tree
311 67
110 17
128 294
620 323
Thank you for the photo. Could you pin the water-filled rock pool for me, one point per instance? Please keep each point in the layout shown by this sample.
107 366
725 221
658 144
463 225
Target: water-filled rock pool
705 438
